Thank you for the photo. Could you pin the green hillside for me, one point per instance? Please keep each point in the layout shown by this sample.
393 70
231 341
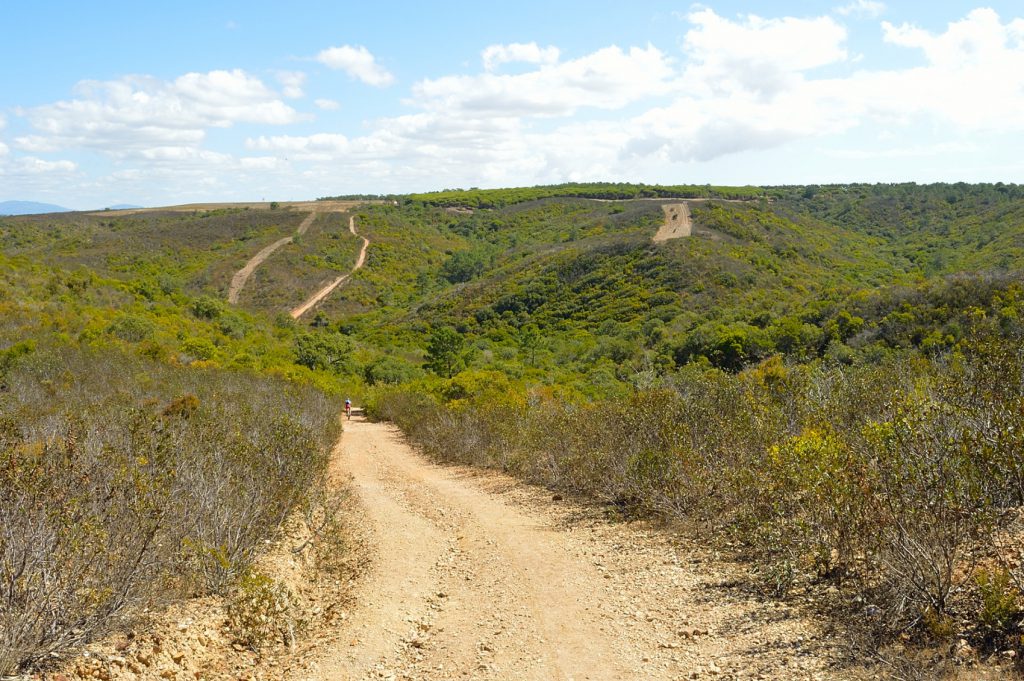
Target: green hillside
829 377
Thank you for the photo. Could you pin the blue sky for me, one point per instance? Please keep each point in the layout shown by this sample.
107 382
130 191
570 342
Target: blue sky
160 103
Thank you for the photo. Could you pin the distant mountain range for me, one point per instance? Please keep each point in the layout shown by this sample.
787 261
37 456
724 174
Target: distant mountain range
29 207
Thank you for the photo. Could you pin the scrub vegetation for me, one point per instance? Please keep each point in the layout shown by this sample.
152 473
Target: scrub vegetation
826 379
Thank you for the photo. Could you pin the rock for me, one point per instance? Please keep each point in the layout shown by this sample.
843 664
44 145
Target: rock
556 497
964 651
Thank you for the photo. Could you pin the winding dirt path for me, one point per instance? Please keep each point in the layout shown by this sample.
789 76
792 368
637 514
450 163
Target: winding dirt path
326 290
242 275
479 577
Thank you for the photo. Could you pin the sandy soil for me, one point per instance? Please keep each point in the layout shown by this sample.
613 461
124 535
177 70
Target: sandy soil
326 290
677 222
242 275
479 577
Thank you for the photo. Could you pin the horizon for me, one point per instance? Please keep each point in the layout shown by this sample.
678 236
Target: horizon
268 105
285 202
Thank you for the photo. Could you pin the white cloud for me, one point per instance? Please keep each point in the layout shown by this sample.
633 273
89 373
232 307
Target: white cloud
4 150
742 84
862 8
140 112
528 53
920 151
261 163
978 38
764 56
291 82
974 76
37 166
606 79
184 154
323 146
357 62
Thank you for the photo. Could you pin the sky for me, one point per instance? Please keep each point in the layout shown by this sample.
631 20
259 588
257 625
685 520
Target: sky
161 103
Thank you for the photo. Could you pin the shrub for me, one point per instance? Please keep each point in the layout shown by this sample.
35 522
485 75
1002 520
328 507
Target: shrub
199 348
390 370
931 503
261 612
131 328
206 307
124 482
1000 609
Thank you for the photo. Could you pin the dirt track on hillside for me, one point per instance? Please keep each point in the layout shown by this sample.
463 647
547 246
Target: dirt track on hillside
677 222
326 290
476 576
242 275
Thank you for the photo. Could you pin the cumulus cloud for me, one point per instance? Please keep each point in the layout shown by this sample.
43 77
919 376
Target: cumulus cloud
291 83
38 166
528 53
358 62
322 146
765 56
737 85
4 150
978 38
973 78
140 112
609 78
862 8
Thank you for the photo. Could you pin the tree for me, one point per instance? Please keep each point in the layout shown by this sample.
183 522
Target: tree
327 351
443 351
530 341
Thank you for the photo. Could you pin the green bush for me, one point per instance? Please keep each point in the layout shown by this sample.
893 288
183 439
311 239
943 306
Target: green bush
131 328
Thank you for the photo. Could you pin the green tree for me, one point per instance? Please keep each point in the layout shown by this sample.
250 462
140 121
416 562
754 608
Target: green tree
530 341
443 351
327 351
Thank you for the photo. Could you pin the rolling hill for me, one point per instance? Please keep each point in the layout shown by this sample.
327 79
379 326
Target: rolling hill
29 208
826 379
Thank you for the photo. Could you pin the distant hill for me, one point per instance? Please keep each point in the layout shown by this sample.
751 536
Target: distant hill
29 207
124 206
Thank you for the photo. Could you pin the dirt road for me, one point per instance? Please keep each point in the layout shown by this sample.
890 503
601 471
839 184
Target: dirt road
326 290
478 577
677 222
242 275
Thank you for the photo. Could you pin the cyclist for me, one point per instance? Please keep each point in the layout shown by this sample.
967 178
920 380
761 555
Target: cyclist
348 408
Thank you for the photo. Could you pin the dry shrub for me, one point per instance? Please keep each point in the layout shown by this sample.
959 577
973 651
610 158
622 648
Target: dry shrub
890 477
261 612
124 482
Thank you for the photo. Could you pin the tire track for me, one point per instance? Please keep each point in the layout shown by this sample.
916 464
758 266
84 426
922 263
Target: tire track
326 290
242 276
